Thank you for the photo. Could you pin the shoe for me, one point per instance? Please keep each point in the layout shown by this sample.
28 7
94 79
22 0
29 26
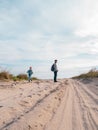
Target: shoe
55 81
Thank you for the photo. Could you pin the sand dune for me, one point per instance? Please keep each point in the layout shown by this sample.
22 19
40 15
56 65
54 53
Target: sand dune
44 105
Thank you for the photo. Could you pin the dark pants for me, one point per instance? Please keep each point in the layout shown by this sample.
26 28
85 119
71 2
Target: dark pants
29 77
55 76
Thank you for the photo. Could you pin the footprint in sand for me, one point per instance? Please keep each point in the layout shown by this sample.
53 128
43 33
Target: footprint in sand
21 94
66 82
30 96
46 95
40 91
39 94
35 125
41 125
48 106
39 115
55 97
37 83
21 115
23 103
19 118
3 122
21 89
59 99
29 127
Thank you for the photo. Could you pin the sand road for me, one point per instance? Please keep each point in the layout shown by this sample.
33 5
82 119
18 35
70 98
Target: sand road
44 105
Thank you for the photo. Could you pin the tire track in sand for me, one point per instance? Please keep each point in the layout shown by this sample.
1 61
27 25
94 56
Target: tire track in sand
74 112
89 115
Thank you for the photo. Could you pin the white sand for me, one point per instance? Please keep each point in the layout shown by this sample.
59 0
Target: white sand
44 105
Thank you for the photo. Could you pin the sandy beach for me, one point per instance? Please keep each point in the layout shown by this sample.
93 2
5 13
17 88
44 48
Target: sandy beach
44 105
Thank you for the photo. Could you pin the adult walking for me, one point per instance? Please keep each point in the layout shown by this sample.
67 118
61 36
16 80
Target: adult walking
55 70
30 72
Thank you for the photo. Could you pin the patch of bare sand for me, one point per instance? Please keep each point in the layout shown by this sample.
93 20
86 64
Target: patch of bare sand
44 105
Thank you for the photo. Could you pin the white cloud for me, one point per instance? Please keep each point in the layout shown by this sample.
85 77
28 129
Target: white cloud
44 31
89 18
8 53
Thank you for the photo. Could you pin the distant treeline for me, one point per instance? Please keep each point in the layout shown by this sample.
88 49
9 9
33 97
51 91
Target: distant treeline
5 75
93 73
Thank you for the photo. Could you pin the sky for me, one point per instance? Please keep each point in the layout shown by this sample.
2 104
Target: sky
36 32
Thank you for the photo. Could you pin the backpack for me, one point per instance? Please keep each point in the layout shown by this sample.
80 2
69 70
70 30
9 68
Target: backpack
52 67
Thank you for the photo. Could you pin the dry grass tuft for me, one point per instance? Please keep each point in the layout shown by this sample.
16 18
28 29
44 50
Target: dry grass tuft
5 75
22 77
93 73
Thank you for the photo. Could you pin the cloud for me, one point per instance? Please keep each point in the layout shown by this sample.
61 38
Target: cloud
37 32
89 17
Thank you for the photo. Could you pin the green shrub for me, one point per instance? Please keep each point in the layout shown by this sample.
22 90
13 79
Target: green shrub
15 78
22 77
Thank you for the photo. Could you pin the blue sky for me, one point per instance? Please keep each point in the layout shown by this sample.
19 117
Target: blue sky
35 32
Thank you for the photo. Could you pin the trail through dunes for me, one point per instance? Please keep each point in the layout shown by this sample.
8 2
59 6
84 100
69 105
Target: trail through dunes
43 105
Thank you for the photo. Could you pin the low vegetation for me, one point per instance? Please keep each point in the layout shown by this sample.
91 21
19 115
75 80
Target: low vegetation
93 73
5 75
34 78
22 76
